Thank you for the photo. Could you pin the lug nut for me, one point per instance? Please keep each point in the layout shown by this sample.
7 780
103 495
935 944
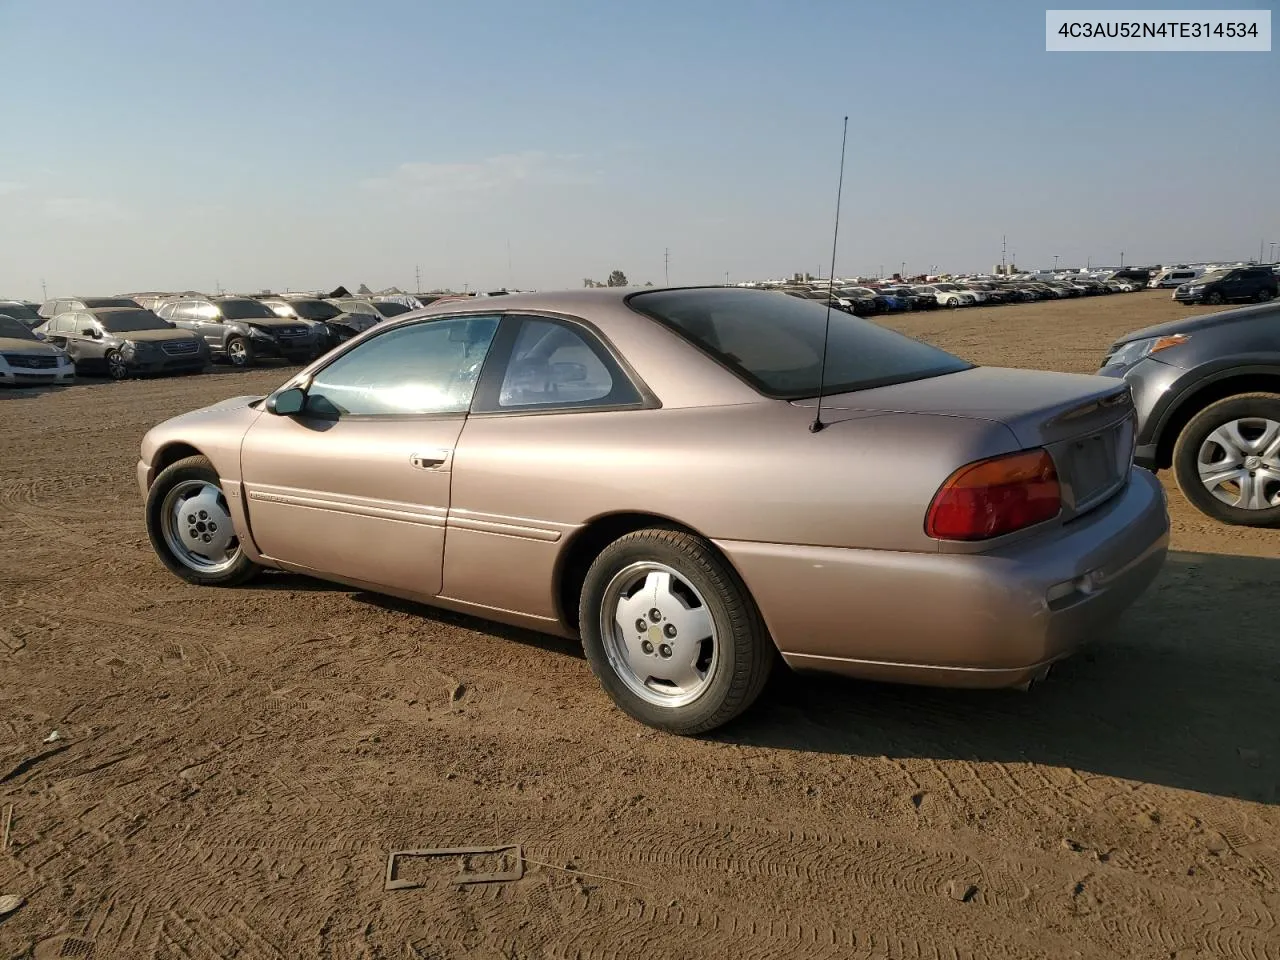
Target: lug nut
646 646
191 518
669 629
664 651
212 526
206 538
204 515
655 615
641 625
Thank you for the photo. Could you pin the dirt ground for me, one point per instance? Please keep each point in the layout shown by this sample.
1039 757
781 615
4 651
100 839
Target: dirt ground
233 767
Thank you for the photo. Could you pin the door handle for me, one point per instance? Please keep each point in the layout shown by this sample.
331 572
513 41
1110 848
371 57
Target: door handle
429 459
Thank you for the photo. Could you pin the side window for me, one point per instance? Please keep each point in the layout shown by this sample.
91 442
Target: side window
59 325
554 364
420 370
204 310
165 311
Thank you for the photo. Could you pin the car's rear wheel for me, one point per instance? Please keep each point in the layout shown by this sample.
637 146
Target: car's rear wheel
671 632
1264 295
117 368
240 352
189 524
1227 460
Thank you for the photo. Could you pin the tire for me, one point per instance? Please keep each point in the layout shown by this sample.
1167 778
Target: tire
192 474
240 352
117 368
1250 412
730 667
1214 298
1264 295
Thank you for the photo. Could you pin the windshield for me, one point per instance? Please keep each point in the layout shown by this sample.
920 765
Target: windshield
14 330
314 309
122 321
947 287
1205 277
775 342
245 310
94 303
20 311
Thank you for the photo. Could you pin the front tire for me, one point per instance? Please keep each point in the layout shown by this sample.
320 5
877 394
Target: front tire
1227 460
190 528
240 352
704 653
117 368
1214 298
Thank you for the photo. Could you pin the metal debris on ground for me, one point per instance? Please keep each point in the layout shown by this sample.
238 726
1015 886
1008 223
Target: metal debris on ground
463 855
8 825
10 902
53 737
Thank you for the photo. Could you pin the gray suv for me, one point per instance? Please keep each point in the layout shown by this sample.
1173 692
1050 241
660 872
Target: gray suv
242 330
1207 393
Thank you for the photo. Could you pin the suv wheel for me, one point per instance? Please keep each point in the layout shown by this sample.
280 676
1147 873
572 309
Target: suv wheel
1215 298
240 352
1227 460
1264 295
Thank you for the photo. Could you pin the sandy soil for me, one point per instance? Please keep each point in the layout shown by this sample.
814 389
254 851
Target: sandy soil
234 767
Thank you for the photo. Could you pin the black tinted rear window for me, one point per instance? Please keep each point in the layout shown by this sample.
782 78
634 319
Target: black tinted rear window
774 341
245 310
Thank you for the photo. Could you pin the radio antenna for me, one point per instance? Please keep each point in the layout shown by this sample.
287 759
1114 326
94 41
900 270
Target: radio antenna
831 282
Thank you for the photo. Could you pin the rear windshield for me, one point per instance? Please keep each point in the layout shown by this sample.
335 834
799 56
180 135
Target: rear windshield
389 308
245 310
314 309
774 342
121 321
14 330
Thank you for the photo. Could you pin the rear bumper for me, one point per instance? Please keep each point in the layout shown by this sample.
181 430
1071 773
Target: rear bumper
967 620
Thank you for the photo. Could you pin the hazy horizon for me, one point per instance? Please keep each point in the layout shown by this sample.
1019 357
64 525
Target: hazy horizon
157 146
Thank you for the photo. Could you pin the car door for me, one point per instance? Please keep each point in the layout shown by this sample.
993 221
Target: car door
561 394
356 486
80 345
209 323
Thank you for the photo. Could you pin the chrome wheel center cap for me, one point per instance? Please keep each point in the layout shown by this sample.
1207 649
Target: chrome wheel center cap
1252 463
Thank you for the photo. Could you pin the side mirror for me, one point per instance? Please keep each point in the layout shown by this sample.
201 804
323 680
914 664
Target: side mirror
286 403
89 332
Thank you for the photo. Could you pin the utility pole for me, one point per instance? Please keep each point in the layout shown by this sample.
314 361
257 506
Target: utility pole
1004 249
44 290
417 279
726 278
1055 263
666 267
1121 259
1259 251
510 282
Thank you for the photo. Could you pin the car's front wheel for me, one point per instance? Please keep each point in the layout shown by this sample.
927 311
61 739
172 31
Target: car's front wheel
1214 298
240 352
190 526
117 368
671 632
1227 460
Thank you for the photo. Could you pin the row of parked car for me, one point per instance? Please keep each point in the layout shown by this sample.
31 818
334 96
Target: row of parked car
148 334
868 301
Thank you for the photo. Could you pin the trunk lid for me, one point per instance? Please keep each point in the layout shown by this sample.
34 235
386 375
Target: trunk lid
1087 423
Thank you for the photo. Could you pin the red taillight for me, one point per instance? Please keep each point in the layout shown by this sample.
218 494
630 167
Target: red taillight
996 496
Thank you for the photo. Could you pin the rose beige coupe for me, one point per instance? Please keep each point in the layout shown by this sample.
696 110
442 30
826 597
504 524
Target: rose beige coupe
649 470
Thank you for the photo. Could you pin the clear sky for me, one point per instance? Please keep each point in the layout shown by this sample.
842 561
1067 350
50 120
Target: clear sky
256 143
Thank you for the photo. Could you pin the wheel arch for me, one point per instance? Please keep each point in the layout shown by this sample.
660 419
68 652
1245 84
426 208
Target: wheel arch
591 538
168 455
1201 396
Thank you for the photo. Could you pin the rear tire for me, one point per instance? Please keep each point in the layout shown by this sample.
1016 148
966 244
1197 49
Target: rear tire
692 584
1196 454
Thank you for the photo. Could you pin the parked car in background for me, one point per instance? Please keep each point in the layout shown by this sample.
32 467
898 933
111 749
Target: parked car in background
123 342
25 360
1207 394
917 301
1258 284
24 313
948 294
51 308
331 324
378 310
1175 277
1136 277
566 443
241 330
